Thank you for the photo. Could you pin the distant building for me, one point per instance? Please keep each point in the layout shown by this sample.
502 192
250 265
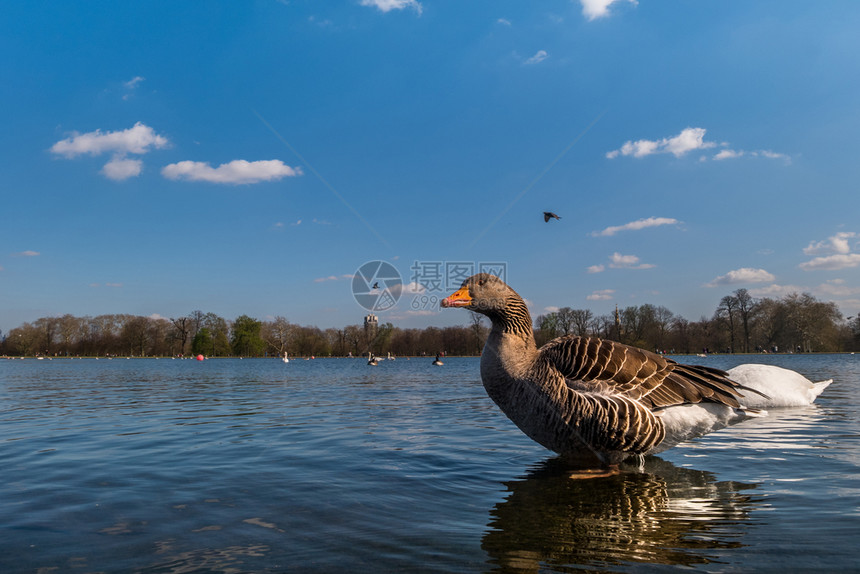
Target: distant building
371 325
371 328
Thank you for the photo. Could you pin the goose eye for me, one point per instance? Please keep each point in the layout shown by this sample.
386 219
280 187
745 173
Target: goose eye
481 281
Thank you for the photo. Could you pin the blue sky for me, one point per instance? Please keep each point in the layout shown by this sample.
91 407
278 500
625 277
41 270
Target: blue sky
249 157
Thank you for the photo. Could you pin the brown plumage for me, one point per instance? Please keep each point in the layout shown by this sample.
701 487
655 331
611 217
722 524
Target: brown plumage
594 401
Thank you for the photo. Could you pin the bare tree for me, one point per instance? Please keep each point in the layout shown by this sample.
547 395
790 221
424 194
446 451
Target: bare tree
664 318
582 320
726 312
547 328
198 320
279 334
478 330
746 306
564 321
183 331
135 335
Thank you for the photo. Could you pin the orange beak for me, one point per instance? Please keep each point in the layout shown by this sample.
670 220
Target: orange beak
459 299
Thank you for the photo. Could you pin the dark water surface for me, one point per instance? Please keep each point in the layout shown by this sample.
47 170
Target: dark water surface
330 465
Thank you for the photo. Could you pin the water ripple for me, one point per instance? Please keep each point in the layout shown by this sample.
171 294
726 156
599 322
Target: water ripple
328 465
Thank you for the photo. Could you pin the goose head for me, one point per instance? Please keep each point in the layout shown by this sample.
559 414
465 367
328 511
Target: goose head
482 293
487 294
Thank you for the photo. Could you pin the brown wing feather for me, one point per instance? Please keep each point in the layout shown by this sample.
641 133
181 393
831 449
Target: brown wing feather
597 365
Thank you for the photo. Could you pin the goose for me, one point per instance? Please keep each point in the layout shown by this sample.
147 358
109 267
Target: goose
438 360
596 402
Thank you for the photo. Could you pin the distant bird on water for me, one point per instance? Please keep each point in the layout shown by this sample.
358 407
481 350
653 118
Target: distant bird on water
547 215
376 285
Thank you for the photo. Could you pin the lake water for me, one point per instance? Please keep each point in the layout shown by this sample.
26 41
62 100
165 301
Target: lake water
330 465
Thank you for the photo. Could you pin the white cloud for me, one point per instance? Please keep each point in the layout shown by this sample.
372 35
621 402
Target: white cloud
551 309
27 253
132 83
333 278
733 154
540 56
601 295
120 168
771 154
832 262
835 244
138 139
850 304
503 22
636 225
323 23
236 172
776 290
415 288
593 9
834 253
742 275
388 5
688 140
728 154
618 261
640 148
422 312
838 288
412 288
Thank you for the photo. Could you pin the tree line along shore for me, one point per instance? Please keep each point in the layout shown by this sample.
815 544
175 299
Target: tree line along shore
740 324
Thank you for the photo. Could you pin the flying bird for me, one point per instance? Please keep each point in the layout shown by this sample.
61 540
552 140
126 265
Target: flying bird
547 215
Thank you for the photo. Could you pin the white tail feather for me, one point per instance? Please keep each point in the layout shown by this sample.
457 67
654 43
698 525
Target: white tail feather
783 387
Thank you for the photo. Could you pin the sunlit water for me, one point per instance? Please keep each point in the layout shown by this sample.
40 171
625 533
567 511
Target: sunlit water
331 465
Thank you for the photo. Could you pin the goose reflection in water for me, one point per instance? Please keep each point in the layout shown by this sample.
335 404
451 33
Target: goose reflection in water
663 515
